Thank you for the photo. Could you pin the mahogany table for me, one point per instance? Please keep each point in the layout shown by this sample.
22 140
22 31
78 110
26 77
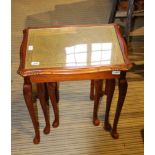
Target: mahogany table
82 52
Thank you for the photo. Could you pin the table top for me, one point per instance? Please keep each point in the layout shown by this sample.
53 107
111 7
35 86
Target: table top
73 47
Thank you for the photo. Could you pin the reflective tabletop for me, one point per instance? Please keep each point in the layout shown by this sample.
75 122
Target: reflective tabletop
69 47
84 52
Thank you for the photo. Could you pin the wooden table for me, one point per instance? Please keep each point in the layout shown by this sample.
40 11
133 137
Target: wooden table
84 52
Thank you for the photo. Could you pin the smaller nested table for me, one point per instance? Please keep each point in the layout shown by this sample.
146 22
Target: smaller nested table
84 52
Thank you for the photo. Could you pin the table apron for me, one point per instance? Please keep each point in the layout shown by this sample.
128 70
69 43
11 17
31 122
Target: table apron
72 77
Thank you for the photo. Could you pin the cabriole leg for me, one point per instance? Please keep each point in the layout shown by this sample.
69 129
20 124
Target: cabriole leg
92 90
43 101
110 87
122 85
51 86
57 92
98 90
27 92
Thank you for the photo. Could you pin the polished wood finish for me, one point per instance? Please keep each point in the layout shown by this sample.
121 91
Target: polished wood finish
107 47
79 134
101 92
92 90
73 52
122 85
72 77
57 92
41 89
27 91
98 90
106 87
110 87
52 88
89 66
43 92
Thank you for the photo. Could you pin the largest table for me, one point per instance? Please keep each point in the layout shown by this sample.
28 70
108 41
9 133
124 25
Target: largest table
81 52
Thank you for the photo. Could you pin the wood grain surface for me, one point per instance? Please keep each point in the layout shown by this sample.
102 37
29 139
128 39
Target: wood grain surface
76 133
